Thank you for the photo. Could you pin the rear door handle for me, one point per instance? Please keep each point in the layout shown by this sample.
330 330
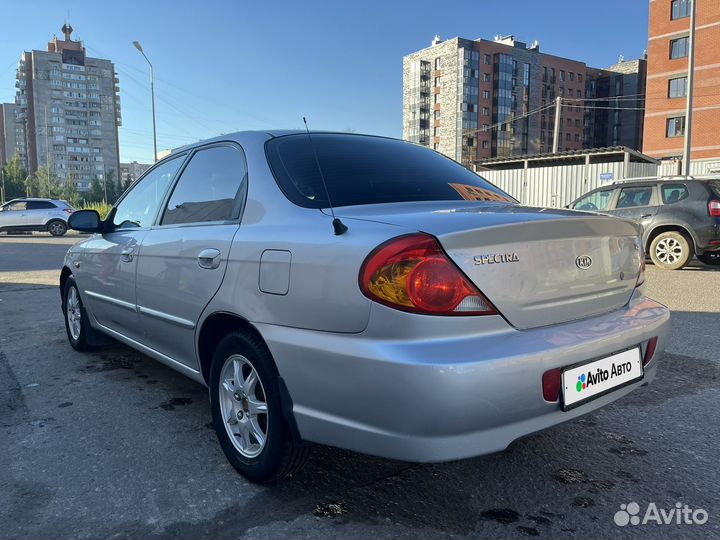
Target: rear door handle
209 258
127 254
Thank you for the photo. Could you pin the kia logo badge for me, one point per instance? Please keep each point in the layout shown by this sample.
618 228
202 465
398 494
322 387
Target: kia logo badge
583 262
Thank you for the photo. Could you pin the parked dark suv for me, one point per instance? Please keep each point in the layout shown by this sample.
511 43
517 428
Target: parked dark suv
680 216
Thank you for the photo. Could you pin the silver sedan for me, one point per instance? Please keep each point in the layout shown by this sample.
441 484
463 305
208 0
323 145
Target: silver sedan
362 292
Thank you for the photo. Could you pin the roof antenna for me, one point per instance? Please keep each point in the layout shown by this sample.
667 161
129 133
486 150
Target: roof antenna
339 226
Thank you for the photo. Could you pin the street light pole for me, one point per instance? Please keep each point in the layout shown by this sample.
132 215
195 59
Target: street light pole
152 96
690 90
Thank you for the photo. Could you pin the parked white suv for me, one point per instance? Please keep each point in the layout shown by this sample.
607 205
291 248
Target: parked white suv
20 215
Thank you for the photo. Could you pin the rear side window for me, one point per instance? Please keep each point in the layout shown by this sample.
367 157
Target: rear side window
40 205
715 187
672 193
360 170
600 200
207 187
634 196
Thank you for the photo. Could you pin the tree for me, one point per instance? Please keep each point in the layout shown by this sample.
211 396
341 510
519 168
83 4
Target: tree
69 192
31 185
47 183
113 188
14 175
96 192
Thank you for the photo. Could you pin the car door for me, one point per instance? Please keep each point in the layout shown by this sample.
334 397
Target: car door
639 203
15 215
38 213
182 260
106 277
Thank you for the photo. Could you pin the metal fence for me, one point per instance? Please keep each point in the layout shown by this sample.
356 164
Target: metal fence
559 185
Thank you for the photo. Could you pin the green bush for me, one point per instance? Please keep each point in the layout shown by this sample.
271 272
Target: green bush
102 208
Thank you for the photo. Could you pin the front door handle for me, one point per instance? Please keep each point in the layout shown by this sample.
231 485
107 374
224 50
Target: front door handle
645 216
209 258
127 254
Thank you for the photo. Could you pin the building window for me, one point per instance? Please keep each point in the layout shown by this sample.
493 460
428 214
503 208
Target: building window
486 127
678 48
486 77
571 74
437 82
486 111
677 87
569 122
486 94
562 75
438 63
579 93
526 74
488 59
680 9
486 144
435 146
437 98
579 77
436 132
676 126
577 137
437 115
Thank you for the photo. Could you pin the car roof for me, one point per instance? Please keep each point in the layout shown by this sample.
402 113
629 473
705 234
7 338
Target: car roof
240 136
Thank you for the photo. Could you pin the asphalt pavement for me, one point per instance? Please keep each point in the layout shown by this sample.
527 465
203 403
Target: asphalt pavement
114 445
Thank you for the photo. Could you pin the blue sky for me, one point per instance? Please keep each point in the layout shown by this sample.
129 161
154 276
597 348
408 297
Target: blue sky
223 66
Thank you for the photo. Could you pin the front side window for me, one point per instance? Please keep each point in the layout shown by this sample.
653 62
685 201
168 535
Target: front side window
140 206
207 188
599 200
676 126
672 193
678 48
677 87
16 206
634 196
680 9
362 170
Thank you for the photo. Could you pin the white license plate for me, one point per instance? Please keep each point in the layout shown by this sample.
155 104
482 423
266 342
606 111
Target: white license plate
594 379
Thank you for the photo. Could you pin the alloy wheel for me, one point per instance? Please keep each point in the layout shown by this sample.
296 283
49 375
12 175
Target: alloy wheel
73 312
669 251
243 406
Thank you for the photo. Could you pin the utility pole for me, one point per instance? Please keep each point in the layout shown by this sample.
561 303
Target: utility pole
2 173
690 90
47 152
556 129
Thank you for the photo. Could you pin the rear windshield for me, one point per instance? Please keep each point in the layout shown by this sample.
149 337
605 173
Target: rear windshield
361 169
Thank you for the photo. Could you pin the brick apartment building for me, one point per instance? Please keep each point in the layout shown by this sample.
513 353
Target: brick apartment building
477 99
667 79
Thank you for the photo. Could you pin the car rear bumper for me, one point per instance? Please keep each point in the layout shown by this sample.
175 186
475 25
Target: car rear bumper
442 395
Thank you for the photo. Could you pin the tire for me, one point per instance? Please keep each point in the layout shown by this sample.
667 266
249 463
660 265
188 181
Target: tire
57 227
670 250
237 410
79 332
711 258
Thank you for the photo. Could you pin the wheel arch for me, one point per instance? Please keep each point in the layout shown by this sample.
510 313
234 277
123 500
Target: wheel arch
213 328
219 324
685 231
65 273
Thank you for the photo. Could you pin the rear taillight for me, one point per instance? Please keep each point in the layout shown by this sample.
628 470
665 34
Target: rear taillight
68 210
641 273
714 208
650 350
412 273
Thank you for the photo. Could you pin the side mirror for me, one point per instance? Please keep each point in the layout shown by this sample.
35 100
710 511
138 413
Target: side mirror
85 221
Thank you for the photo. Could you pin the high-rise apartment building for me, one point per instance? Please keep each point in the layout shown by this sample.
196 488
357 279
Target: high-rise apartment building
667 89
477 99
68 112
614 108
7 132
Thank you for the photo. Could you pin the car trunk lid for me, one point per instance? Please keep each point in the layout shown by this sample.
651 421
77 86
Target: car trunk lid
537 266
